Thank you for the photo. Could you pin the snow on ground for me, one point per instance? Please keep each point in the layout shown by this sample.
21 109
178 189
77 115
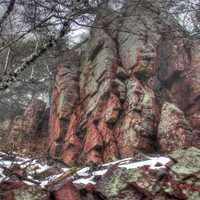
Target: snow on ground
35 169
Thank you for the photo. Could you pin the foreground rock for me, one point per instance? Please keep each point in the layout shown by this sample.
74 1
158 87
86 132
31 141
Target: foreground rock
164 179
14 190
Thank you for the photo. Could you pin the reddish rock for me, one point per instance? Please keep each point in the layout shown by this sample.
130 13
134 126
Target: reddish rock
191 82
111 110
110 149
136 129
179 181
65 190
109 100
93 145
100 141
31 127
10 184
16 130
8 188
14 190
55 150
130 140
145 65
72 146
64 97
116 114
114 101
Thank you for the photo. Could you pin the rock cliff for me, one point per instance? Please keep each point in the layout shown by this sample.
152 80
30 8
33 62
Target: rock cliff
132 87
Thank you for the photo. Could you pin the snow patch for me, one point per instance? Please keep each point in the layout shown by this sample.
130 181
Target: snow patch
86 175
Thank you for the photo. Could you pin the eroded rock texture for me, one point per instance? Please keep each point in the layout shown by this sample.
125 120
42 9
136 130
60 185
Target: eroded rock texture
174 130
132 87
176 182
135 89
29 132
63 102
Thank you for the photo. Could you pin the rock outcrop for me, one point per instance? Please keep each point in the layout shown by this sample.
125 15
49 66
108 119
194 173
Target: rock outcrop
64 99
131 91
29 132
176 182
132 87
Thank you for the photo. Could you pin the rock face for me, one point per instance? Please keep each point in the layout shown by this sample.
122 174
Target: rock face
64 99
29 131
174 130
127 93
131 87
14 190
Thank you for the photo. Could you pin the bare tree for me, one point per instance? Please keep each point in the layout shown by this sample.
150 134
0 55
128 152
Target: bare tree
32 31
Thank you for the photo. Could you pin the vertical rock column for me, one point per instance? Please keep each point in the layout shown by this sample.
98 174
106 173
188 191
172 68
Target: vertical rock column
116 113
137 48
65 96
102 94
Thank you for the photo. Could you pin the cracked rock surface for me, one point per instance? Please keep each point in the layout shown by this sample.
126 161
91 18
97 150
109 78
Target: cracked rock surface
130 92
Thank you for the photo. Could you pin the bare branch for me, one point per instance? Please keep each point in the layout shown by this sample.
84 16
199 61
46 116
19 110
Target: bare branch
6 63
7 12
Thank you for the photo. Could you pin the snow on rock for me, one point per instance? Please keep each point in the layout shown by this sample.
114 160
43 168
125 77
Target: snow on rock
153 163
85 181
39 172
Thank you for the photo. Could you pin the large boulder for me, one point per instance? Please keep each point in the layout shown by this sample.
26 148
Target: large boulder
17 190
64 189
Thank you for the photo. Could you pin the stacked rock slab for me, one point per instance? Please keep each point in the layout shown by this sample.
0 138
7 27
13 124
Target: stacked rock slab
127 94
